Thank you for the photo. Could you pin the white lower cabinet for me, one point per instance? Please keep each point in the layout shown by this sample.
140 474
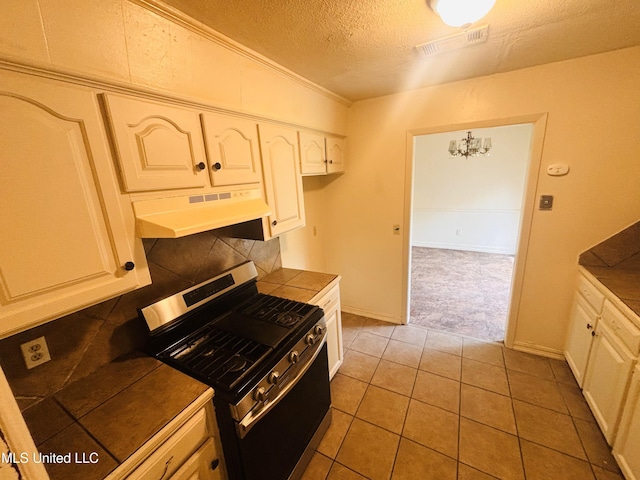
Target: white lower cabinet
627 444
602 349
605 384
329 300
185 449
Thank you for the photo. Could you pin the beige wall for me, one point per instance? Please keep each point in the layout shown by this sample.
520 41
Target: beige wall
593 120
121 41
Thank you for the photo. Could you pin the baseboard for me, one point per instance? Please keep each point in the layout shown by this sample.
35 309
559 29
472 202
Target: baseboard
539 350
369 314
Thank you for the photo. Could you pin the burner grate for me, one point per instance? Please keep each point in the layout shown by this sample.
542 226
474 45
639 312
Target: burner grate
219 356
279 311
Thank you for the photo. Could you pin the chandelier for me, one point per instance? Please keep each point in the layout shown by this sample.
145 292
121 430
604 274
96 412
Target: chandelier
469 147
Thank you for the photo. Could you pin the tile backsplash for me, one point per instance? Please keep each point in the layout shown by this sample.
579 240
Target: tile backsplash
82 342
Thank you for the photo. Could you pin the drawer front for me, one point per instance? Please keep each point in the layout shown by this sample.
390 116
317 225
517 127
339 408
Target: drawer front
330 299
622 327
175 451
590 293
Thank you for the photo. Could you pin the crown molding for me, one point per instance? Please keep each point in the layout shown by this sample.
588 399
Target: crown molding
182 19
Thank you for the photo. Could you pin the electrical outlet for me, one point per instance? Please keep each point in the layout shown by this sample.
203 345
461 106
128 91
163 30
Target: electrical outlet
35 352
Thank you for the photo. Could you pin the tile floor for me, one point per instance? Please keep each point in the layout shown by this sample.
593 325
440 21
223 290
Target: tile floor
412 403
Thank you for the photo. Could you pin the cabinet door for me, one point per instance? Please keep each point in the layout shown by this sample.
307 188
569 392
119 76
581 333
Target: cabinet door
606 380
203 465
313 160
583 324
232 148
159 146
335 154
282 180
64 239
625 448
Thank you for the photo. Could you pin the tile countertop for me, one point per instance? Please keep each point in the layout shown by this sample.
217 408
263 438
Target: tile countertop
624 283
298 285
111 412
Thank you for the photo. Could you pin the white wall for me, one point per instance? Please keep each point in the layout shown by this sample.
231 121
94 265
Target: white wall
592 124
470 203
130 43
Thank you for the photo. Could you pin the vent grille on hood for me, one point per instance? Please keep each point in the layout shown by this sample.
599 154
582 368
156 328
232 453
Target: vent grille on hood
175 217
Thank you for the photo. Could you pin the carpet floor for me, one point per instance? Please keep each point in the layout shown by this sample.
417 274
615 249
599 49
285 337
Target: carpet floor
461 292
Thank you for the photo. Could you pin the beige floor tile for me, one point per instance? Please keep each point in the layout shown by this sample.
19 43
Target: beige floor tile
528 363
562 372
482 351
465 472
332 439
536 390
346 393
369 450
417 462
444 342
359 365
488 408
440 363
541 463
318 467
576 403
369 343
432 427
379 327
348 336
384 408
436 390
546 427
484 375
410 334
395 377
403 353
596 447
351 320
340 472
489 450
603 474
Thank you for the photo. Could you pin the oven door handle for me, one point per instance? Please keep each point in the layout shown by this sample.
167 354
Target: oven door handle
251 418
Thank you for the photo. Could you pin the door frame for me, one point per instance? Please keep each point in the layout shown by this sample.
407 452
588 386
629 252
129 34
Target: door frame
539 123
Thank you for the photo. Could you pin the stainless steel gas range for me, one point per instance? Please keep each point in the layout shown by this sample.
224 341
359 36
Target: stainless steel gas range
265 357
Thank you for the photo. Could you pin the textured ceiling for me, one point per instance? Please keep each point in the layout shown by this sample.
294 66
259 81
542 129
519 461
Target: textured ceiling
366 48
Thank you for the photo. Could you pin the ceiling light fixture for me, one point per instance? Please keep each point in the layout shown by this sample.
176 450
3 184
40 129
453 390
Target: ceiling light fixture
469 147
461 13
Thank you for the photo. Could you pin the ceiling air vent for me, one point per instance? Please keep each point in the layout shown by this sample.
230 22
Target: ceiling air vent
455 42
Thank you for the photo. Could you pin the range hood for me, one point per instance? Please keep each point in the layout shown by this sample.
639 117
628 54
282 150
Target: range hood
175 217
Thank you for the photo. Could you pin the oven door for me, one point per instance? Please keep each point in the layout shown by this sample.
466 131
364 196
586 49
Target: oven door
280 444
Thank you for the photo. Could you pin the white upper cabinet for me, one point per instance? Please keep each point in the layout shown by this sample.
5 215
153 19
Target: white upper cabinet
65 240
159 146
282 180
335 154
313 159
233 149
320 155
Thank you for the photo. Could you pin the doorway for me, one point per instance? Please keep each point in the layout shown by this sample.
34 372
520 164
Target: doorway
469 219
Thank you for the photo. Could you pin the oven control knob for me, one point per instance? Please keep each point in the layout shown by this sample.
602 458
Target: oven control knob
274 377
310 339
260 394
318 330
294 357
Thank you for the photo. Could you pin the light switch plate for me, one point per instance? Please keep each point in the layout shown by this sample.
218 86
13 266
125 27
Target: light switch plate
546 202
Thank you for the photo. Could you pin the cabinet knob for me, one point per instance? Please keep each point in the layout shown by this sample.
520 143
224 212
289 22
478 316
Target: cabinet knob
215 463
216 166
201 166
325 160
129 266
594 334
330 161
274 223
589 326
